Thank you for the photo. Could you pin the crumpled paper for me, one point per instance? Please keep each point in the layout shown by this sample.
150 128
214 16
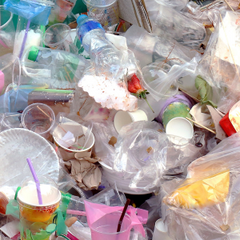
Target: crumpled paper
87 174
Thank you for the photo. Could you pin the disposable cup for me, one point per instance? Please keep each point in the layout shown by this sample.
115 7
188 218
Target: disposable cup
104 11
181 128
160 231
123 118
39 118
35 218
87 140
58 36
105 228
7 31
60 11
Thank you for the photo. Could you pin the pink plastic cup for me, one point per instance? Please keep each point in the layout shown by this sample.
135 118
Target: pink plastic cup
105 228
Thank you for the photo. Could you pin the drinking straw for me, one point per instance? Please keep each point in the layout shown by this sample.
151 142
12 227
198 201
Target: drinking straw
122 215
24 39
36 181
210 130
76 212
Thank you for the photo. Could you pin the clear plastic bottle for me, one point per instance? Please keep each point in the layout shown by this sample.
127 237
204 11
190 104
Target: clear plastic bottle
62 65
106 56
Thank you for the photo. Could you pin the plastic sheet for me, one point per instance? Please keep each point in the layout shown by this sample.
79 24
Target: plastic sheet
37 12
212 207
177 4
168 21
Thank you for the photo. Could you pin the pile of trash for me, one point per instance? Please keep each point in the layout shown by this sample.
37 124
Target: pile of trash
119 119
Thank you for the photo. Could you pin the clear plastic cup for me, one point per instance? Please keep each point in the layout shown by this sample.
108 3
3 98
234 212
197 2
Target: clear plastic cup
104 11
39 118
60 11
7 31
105 228
58 36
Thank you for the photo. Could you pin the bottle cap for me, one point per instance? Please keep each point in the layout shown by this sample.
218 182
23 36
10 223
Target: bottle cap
33 53
81 18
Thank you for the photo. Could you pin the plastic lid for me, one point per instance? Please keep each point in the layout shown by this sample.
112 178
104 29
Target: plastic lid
33 53
81 19
100 3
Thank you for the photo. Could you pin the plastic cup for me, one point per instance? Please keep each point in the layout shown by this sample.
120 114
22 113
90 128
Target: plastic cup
104 11
60 11
39 118
7 31
35 218
160 231
87 140
58 36
181 128
123 118
105 228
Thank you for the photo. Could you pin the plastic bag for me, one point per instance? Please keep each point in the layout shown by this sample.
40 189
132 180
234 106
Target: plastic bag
37 12
220 63
168 21
210 195
148 47
177 4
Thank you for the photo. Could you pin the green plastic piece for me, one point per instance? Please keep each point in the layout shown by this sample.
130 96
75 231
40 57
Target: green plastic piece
33 53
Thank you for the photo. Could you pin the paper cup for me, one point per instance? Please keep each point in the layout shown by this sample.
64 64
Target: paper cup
35 218
160 231
181 128
123 118
78 130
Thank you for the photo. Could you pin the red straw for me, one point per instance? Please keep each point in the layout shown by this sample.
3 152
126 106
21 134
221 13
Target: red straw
123 214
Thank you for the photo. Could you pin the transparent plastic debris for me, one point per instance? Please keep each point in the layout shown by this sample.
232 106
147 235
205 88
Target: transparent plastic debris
205 205
28 145
176 4
60 69
36 11
149 48
220 63
168 21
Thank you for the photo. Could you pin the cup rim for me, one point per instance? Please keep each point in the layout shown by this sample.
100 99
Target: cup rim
10 18
33 105
68 29
71 150
58 199
87 2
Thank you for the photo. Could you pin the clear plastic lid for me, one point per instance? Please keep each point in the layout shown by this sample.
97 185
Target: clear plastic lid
48 188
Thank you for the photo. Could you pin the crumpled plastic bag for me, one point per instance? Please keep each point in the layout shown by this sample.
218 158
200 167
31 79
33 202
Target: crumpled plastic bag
206 205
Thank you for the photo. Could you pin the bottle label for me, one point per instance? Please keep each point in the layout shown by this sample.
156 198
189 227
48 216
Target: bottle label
87 27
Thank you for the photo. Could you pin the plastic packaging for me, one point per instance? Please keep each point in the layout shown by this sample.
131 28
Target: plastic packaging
28 34
106 56
61 10
32 146
176 4
149 48
209 212
7 31
60 68
105 12
175 25
37 12
58 36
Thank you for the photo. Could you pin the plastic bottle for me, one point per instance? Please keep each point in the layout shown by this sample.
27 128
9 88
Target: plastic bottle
63 65
106 56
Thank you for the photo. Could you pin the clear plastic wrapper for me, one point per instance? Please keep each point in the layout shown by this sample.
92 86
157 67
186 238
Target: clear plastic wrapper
176 4
148 48
220 63
206 204
168 21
